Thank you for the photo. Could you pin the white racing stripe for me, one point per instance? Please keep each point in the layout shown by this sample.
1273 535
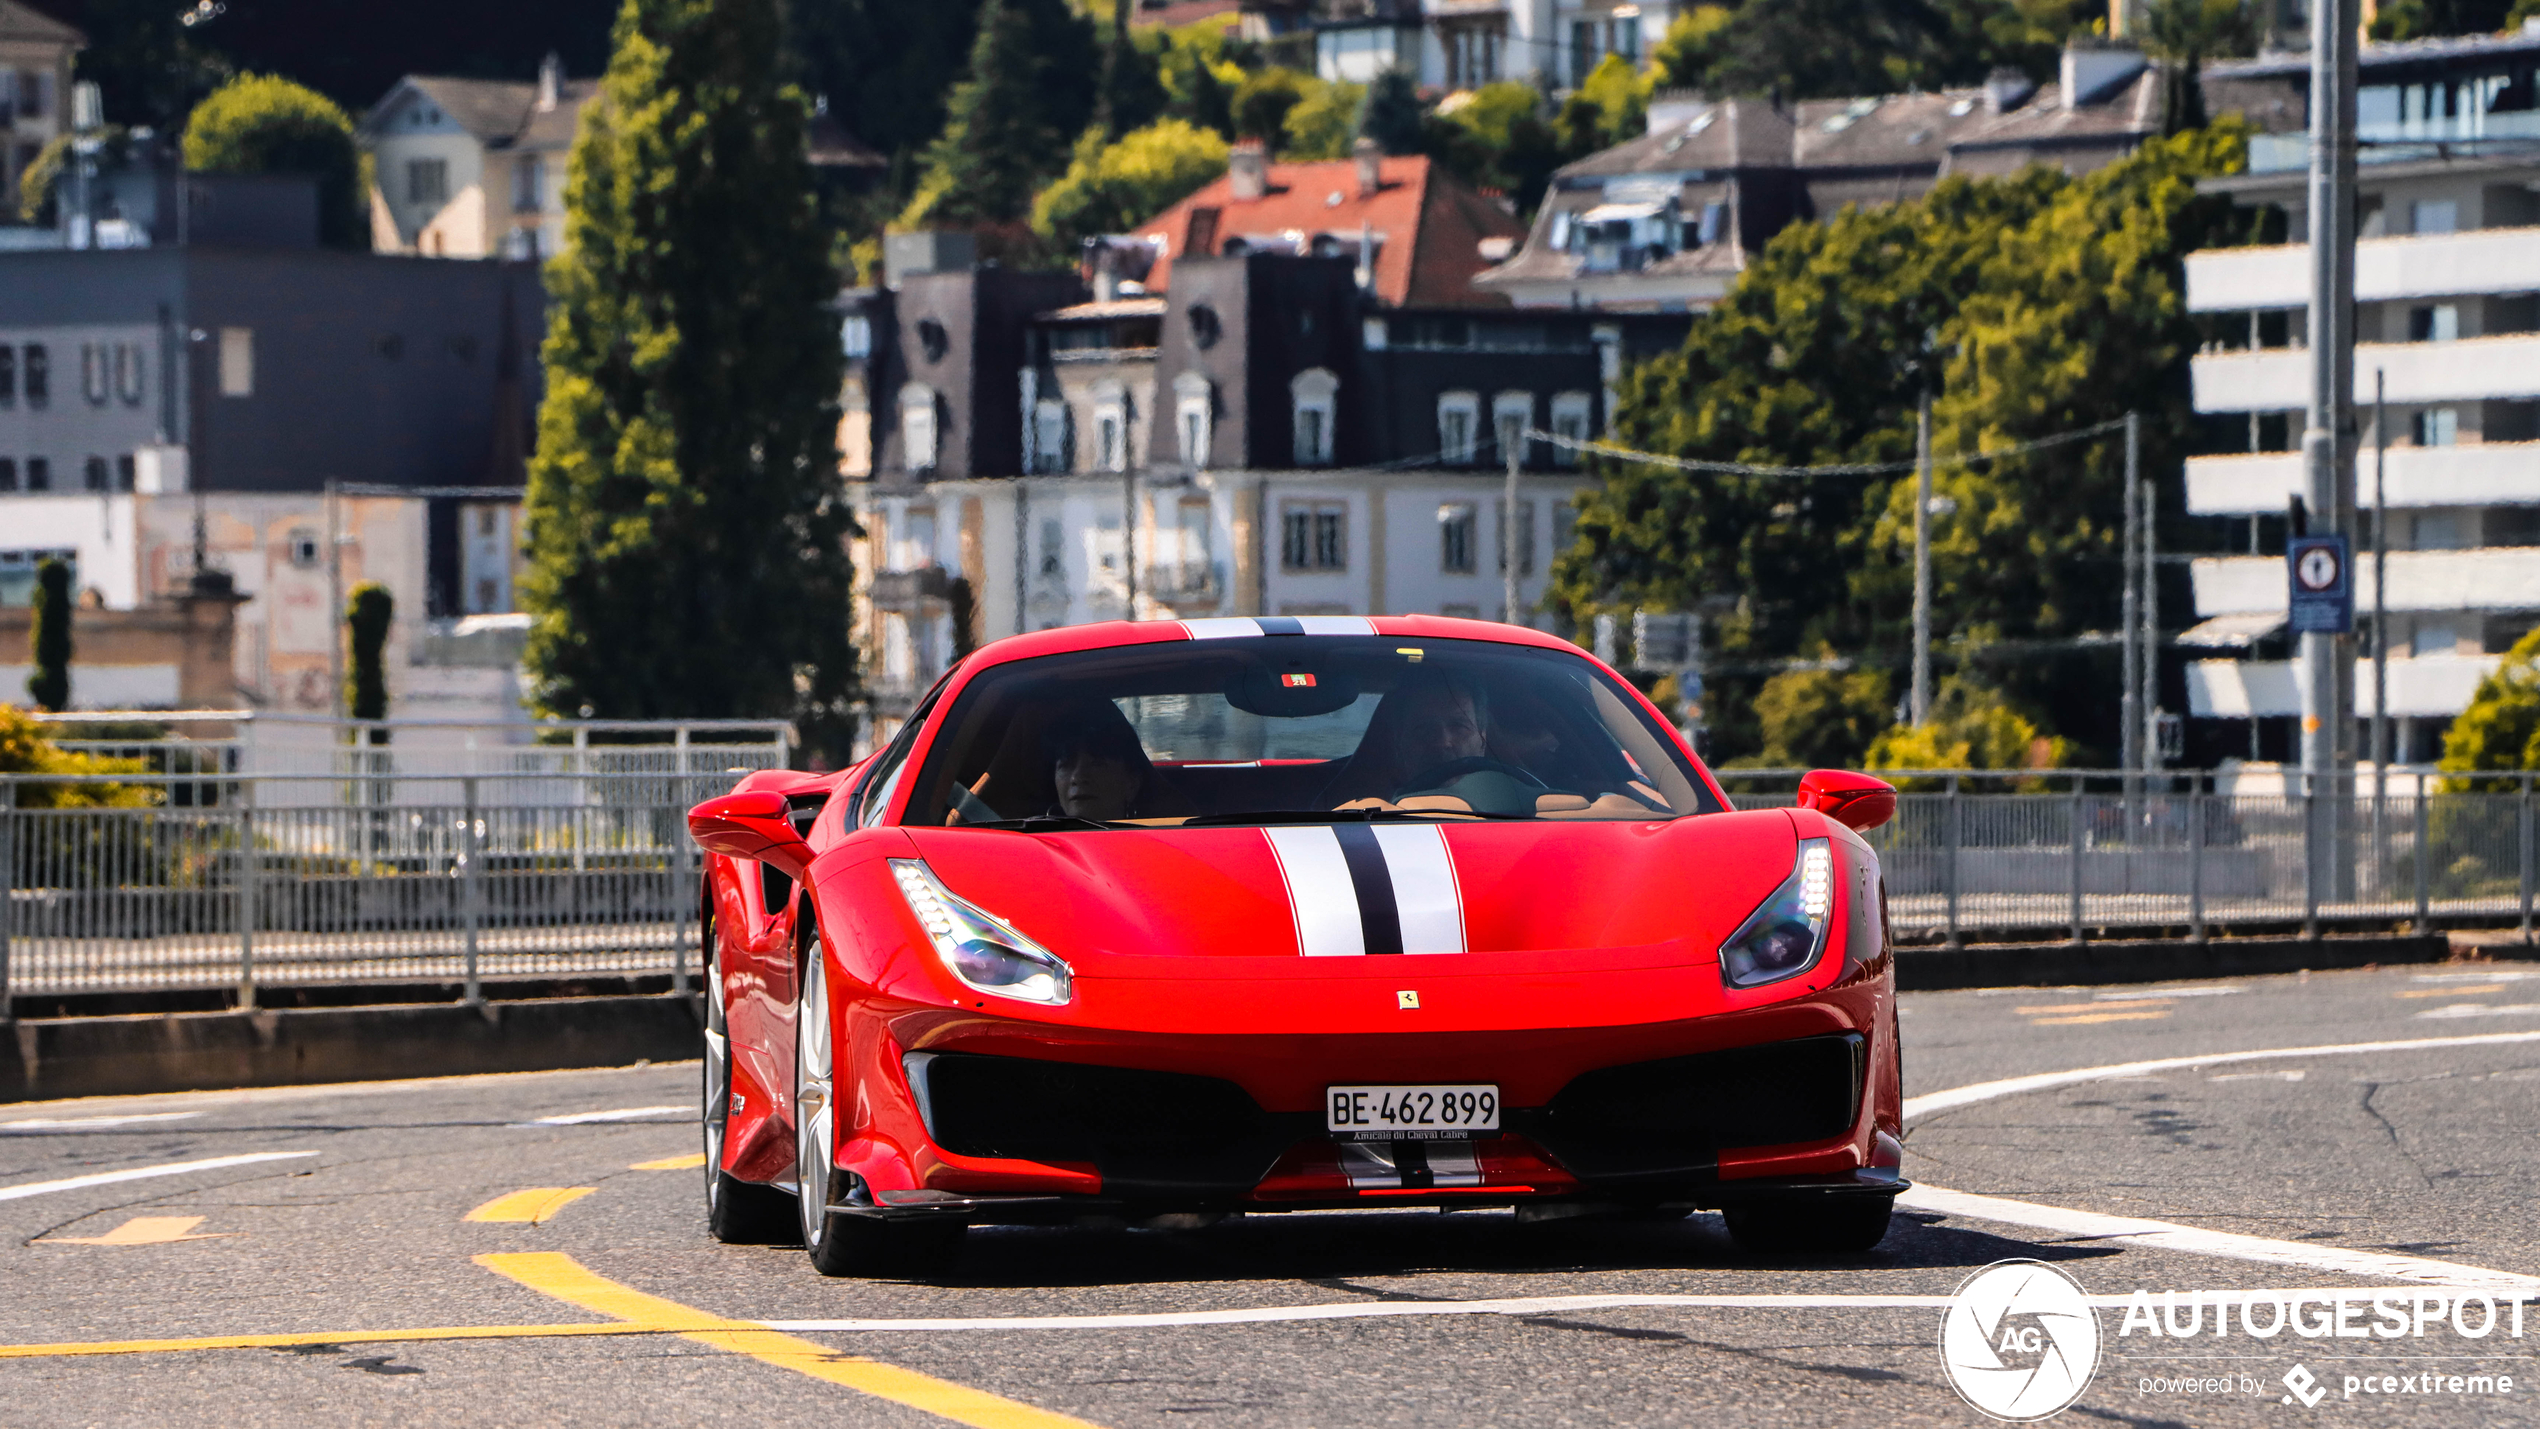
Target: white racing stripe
1223 627
2166 1235
1239 627
143 1173
1320 895
1955 1097
1424 889
1524 1305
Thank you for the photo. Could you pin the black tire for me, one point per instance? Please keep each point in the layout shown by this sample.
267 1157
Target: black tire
843 1243
1823 1225
738 1212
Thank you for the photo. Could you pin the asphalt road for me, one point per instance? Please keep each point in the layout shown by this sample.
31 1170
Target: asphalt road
365 1275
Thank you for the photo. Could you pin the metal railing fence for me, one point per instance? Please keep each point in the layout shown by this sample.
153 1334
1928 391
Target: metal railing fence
381 876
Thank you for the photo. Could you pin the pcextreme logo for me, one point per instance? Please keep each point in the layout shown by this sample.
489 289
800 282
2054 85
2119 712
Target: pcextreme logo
2019 1341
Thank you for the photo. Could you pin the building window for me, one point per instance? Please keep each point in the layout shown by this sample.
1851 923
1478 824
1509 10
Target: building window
304 547
917 541
1194 413
8 376
1455 538
1194 526
1570 423
1053 553
2437 427
18 571
1459 422
39 474
128 367
1314 393
427 182
1525 536
2439 323
1111 439
1314 536
126 468
918 437
1512 415
238 362
94 376
2435 215
855 336
93 473
1584 51
8 473
39 375
529 184
1049 435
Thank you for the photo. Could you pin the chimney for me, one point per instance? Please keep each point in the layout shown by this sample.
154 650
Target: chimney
550 81
1370 156
1249 167
2006 89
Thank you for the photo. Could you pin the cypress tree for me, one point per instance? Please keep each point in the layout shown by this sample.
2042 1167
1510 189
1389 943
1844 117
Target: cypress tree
1011 119
50 684
1391 115
1132 92
686 530
366 618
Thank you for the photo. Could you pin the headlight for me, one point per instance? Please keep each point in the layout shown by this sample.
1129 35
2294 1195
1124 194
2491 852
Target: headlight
1784 937
985 954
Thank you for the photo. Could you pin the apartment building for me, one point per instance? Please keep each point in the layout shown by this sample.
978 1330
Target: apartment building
1265 436
36 51
1665 221
473 168
2447 292
1460 44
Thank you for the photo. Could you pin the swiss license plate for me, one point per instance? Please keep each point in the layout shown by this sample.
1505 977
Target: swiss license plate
1417 1113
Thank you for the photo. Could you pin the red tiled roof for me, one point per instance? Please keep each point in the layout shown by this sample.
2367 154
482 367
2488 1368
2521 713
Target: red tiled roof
1430 225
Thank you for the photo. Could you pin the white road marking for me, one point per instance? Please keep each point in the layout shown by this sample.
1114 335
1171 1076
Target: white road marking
2482 1009
142 1173
1955 1097
321 1091
1523 1305
632 1113
74 1123
2259 1077
2166 1235
2164 994
2492 975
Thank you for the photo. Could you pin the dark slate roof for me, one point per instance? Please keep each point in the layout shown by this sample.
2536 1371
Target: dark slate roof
27 24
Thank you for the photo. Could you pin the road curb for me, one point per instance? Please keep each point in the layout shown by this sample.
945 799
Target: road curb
2155 960
198 1051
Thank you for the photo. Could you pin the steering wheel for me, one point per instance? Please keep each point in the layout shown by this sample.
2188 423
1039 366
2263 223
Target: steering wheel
1434 780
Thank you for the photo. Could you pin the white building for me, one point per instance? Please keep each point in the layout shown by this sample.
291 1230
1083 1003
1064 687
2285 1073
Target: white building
2447 294
1460 44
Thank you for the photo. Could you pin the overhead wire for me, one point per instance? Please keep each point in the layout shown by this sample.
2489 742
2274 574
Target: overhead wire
1886 468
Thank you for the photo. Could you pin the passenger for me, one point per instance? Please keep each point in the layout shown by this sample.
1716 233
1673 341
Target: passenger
1100 769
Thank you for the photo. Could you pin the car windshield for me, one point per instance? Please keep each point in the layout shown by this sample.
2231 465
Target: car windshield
1287 729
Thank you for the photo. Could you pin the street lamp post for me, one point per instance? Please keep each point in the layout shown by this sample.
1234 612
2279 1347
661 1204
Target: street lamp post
2328 436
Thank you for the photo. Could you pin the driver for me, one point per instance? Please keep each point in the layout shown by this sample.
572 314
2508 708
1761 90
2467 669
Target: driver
1100 769
1420 727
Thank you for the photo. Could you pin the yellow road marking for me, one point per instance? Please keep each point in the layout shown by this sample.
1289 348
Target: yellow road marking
689 1162
532 1206
561 1276
2093 1006
331 1337
2451 991
2098 1017
142 1230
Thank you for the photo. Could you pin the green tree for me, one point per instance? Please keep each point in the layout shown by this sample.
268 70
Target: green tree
1973 726
2501 728
145 60
2186 33
1325 120
367 616
1198 82
264 124
1684 57
1132 92
1006 129
1392 114
1111 188
1820 718
25 750
1262 103
1498 138
686 538
50 684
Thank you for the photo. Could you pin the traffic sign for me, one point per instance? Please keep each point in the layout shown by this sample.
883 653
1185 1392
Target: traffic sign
2320 569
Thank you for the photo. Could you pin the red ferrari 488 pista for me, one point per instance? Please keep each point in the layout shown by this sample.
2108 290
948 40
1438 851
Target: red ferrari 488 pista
1177 919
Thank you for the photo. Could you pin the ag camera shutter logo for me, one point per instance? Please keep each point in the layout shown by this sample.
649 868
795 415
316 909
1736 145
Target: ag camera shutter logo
2019 1341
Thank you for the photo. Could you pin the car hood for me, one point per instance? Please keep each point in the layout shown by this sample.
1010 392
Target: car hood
1111 900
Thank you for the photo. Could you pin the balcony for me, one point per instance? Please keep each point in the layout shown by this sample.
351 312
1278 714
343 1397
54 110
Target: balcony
2489 260
902 590
2495 578
1184 586
2279 379
2486 474
2239 689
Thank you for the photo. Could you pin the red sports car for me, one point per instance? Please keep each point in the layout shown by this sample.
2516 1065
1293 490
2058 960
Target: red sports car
1165 921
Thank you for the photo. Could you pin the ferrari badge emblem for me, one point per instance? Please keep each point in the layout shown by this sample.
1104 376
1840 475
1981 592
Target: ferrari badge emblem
1407 1000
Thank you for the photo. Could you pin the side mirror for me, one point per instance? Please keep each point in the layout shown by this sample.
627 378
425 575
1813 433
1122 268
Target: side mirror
1856 801
751 825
